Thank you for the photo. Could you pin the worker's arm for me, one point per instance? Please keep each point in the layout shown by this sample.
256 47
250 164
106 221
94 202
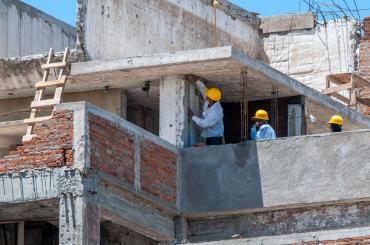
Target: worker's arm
210 120
201 87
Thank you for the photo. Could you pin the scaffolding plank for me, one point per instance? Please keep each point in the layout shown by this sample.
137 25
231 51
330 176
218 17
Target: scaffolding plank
337 88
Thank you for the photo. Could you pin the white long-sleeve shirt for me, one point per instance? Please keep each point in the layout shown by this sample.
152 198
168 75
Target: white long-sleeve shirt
266 132
212 118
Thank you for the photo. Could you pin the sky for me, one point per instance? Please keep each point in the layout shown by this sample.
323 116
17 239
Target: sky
65 10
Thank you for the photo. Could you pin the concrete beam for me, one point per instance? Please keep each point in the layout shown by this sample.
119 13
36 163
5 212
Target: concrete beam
287 22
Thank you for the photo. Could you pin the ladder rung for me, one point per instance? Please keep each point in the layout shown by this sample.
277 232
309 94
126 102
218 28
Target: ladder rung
53 65
51 83
37 119
44 103
27 137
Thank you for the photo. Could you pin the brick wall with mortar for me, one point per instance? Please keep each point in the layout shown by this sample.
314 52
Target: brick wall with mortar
364 61
117 151
51 147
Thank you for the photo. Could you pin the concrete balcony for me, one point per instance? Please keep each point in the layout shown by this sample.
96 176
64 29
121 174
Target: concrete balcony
87 166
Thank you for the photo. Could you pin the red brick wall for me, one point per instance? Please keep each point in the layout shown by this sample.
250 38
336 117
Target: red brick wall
158 171
112 149
344 241
364 61
51 147
113 152
365 47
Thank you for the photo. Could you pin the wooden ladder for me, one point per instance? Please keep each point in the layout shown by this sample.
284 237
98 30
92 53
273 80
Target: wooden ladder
41 86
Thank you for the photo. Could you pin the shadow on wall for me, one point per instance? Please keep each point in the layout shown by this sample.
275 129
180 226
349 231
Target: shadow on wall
218 178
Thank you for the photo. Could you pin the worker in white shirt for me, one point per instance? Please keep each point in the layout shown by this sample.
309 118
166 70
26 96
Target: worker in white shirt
262 130
211 120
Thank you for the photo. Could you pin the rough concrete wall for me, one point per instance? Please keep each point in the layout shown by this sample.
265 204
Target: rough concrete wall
142 162
51 147
322 116
286 171
112 29
26 30
310 55
113 234
19 75
111 100
279 222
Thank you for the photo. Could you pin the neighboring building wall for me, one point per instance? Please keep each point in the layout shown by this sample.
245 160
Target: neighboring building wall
26 30
365 48
114 29
309 55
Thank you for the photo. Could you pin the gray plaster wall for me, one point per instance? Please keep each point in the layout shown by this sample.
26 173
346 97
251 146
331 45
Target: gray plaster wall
114 29
26 30
289 171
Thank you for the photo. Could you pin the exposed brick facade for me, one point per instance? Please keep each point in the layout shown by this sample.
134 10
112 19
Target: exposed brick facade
344 241
113 152
112 149
364 61
158 171
51 147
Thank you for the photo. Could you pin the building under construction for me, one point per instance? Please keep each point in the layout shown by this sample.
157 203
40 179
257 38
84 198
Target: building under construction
96 143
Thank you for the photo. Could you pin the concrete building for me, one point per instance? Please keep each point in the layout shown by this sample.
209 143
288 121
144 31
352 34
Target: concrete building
114 164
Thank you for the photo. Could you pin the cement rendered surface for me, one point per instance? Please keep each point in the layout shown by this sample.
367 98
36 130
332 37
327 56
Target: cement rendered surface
292 171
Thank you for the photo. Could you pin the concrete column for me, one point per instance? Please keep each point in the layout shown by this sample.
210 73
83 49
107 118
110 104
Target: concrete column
79 221
176 96
123 104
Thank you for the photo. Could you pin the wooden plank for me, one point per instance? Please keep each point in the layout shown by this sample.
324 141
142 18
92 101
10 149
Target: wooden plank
361 82
51 83
336 80
37 119
337 88
27 137
44 103
341 98
54 65
353 94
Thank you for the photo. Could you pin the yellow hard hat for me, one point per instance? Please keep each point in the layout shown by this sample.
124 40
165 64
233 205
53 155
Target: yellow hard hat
336 119
261 115
214 94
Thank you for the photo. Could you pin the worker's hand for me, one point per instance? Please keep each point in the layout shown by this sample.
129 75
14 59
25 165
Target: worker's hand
191 78
190 113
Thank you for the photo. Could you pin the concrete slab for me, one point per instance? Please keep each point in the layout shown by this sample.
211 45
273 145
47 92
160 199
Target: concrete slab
220 66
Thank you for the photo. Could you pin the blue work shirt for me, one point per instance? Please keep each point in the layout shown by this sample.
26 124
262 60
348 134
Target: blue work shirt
212 117
265 132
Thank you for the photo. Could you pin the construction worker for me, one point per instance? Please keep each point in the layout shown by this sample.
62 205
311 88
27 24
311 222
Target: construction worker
211 120
261 130
336 123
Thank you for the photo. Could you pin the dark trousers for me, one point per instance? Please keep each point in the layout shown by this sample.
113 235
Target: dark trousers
214 141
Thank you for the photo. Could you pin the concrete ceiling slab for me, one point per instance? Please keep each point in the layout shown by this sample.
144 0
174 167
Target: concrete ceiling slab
220 66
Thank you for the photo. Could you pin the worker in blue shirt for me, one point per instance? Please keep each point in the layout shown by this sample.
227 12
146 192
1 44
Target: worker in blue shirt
211 120
262 130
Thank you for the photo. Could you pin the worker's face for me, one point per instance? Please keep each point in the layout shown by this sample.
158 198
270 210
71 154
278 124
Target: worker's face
259 123
210 102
